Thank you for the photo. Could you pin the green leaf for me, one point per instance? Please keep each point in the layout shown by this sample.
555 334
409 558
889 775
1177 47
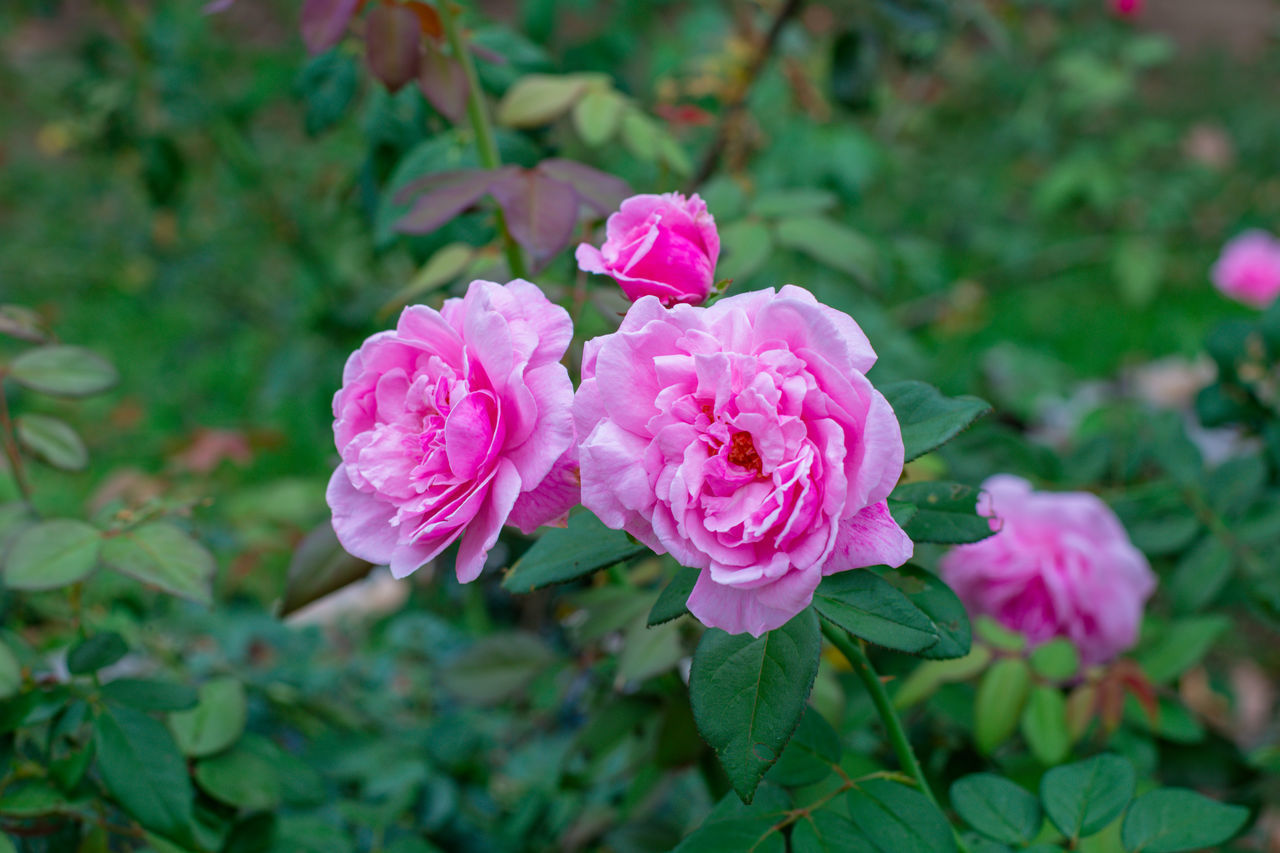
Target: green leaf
898 819
1056 660
925 680
597 115
52 554
1082 798
31 798
319 566
744 247
142 768
902 512
240 777
150 695
929 419
773 204
327 86
735 827
649 651
1181 647
1138 266
1001 696
10 673
52 441
868 606
441 268
1201 574
560 555
997 808
827 831
96 652
673 601
946 513
936 600
164 556
640 134
6 846
63 371
216 721
1168 820
538 99
810 755
1044 725
831 244
748 694
496 667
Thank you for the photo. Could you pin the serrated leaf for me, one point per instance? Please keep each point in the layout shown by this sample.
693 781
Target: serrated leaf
51 554
674 598
998 705
1084 797
868 606
562 554
810 755
997 808
63 371
215 723
96 652
52 441
145 773
1169 820
935 599
163 556
748 694
832 244
928 418
898 819
946 513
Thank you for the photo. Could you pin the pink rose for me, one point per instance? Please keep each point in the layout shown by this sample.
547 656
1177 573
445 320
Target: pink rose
1248 270
455 423
1060 565
1126 8
745 440
658 245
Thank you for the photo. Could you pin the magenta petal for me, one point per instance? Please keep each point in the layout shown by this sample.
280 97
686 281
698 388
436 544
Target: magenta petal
361 521
869 538
482 532
549 502
751 611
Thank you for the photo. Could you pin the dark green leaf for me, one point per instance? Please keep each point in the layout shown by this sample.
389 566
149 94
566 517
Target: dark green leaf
1084 797
1201 573
929 419
673 602
1181 647
52 554
998 705
868 606
1168 820
936 600
163 556
240 777
997 808
902 512
216 721
96 652
150 695
828 831
810 754
52 441
64 371
748 694
898 819
142 768
564 554
31 798
735 827
946 513
319 566
327 85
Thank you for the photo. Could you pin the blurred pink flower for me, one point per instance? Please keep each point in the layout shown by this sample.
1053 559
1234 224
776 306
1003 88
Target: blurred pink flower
451 425
658 245
1060 565
1248 270
1126 8
744 439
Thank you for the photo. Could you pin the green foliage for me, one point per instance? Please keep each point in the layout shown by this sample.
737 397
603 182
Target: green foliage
1082 798
997 808
1171 819
867 606
585 546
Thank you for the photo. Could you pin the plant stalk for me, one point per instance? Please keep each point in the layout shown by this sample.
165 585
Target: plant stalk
482 127
9 438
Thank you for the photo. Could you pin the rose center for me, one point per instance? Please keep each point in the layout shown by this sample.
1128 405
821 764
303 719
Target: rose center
742 451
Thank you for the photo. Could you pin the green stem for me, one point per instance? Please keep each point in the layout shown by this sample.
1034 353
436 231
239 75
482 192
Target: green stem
478 114
897 736
9 439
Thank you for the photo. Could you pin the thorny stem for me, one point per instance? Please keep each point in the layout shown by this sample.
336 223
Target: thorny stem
10 441
478 114
737 99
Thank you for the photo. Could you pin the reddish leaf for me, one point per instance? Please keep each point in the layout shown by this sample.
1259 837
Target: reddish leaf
541 211
599 190
684 115
444 84
450 194
1081 706
428 18
325 21
393 43
1135 681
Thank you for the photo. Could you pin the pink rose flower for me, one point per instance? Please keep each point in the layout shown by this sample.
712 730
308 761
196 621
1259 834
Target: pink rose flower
451 425
1126 8
745 440
1248 270
1060 565
658 245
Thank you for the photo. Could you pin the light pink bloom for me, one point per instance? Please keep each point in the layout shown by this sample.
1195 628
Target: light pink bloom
658 245
1126 8
452 424
1060 565
1248 270
745 440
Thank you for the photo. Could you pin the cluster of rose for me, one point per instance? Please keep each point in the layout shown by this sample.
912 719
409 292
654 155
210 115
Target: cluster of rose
742 437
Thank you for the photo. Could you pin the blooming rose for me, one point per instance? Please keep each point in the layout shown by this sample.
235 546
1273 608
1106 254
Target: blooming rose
745 440
458 421
1248 270
658 245
1126 8
1060 565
